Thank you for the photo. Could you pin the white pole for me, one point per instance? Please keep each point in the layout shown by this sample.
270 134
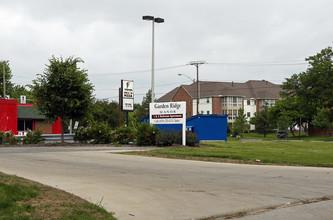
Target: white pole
152 66
184 125
184 133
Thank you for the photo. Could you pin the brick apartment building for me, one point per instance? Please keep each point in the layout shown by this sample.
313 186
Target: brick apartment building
225 97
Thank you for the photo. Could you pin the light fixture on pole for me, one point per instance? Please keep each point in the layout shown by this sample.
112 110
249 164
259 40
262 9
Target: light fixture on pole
157 20
197 64
180 74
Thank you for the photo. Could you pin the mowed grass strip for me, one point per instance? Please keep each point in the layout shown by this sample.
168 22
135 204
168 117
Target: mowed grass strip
24 199
272 136
318 154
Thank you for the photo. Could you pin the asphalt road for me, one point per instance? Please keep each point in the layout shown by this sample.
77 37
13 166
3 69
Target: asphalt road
152 188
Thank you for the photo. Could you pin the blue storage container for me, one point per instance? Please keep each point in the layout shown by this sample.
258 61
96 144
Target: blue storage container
207 127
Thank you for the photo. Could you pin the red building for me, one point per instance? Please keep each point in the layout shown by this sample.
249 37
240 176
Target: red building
19 118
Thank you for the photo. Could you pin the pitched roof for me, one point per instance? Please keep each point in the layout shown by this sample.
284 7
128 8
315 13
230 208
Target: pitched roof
28 112
257 89
168 97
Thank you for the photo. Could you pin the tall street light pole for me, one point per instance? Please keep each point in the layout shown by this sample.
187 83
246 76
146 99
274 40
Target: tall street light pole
157 20
197 64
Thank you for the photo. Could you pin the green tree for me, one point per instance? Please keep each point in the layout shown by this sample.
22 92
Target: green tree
63 90
261 121
287 111
322 120
140 111
8 77
240 124
146 100
19 90
313 88
104 111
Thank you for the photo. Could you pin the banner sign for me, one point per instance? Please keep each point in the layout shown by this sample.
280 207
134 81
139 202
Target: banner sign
127 95
167 112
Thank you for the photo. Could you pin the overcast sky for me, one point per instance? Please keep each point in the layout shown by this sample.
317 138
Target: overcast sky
239 39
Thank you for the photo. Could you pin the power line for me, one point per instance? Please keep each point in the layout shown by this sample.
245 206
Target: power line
276 63
269 63
138 71
273 63
145 87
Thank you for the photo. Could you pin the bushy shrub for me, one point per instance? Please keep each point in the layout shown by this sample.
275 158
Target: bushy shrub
191 138
146 134
166 138
283 123
7 137
33 137
282 134
123 135
97 133
101 133
82 134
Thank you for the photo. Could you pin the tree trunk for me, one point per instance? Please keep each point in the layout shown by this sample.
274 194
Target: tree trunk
306 127
292 131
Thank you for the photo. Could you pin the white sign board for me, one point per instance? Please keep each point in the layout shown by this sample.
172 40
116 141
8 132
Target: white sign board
127 95
169 113
128 105
128 89
23 99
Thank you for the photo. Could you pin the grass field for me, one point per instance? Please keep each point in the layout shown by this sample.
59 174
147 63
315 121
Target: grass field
305 153
272 136
24 199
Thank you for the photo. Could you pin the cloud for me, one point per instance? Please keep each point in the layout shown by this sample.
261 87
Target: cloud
111 37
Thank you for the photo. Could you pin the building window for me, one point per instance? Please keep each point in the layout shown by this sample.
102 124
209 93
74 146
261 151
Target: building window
24 125
248 102
268 102
208 100
232 101
248 114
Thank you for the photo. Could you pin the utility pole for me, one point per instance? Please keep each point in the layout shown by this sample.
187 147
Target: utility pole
4 77
197 64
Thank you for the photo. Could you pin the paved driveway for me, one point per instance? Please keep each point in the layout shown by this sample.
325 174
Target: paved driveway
152 188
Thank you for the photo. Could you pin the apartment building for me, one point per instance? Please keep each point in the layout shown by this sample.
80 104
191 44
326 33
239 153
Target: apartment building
225 97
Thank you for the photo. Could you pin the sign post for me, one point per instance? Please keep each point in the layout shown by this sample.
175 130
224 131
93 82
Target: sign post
127 97
169 113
